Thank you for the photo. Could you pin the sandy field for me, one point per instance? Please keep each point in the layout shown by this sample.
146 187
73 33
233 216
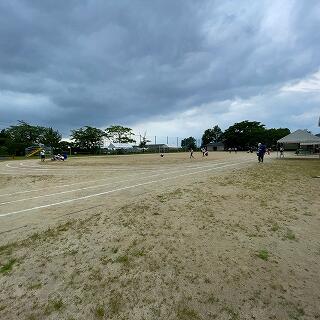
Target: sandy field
143 237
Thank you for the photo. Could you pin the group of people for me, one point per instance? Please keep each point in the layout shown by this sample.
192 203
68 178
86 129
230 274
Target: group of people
204 151
235 149
57 157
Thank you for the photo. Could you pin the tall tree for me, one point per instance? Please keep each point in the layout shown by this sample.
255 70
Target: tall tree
273 135
24 133
244 134
143 142
50 137
3 142
120 134
21 136
3 137
212 135
88 138
189 143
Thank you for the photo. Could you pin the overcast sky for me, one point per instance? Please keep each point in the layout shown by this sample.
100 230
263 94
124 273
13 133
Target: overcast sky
170 67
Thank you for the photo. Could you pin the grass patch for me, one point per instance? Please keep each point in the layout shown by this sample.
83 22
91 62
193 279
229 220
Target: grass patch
114 250
123 259
275 227
99 312
296 314
212 299
54 305
2 307
290 235
263 254
6 268
95 275
115 303
186 313
233 314
139 253
35 286
170 195
6 249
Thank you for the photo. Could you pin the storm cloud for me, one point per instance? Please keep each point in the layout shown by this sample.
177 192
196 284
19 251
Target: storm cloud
169 67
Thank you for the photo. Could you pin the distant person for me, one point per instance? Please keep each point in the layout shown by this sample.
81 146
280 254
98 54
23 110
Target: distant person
191 154
161 155
42 155
235 149
261 151
203 150
229 149
58 157
281 152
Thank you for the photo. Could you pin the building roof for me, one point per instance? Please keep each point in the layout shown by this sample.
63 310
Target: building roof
300 136
215 144
115 145
156 145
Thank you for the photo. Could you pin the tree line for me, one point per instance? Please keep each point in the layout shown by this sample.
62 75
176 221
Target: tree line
243 135
15 139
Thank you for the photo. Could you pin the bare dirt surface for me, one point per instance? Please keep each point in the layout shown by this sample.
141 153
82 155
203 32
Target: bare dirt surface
144 237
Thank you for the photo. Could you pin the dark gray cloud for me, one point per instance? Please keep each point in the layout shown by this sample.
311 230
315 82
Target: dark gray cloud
74 63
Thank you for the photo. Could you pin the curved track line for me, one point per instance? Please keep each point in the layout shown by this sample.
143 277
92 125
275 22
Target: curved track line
101 185
117 189
93 181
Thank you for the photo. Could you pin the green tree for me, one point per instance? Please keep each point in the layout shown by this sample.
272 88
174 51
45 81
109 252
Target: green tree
3 141
21 136
24 133
212 135
244 134
143 142
18 137
88 138
3 137
273 135
189 143
120 134
50 137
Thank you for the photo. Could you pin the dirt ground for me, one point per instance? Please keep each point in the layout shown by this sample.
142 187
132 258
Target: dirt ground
144 237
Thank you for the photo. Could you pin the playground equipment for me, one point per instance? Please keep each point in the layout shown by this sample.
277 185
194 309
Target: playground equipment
35 149
32 151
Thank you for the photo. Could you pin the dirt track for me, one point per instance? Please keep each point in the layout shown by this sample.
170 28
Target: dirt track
34 193
214 238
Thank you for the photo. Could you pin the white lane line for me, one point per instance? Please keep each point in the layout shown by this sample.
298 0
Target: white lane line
93 181
67 168
104 185
118 189
103 167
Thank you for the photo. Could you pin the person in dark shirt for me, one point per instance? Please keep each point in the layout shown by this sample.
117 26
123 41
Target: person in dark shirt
261 151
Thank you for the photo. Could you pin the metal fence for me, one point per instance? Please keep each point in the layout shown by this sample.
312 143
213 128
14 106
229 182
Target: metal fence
169 141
